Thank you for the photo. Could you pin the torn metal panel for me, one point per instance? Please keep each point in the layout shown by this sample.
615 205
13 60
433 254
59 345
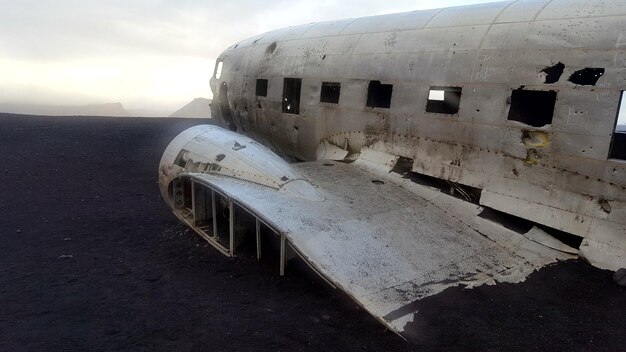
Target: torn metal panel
538 235
373 160
328 151
602 255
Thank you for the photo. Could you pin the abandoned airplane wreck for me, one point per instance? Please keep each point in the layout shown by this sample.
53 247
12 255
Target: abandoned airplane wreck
399 155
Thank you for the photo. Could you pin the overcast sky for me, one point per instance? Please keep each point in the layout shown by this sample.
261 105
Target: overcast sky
148 54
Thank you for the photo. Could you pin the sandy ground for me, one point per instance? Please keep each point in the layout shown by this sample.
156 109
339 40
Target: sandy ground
91 259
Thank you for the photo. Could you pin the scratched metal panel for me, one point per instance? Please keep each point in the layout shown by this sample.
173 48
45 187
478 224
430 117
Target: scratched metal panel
353 94
439 68
615 77
582 9
583 33
506 36
336 45
462 139
609 232
575 144
442 168
334 68
414 96
422 40
347 121
561 34
327 29
506 139
473 107
375 67
445 128
519 67
586 112
445 68
274 88
390 23
613 177
467 16
521 11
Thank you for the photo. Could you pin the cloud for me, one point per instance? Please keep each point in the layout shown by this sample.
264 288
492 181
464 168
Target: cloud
143 52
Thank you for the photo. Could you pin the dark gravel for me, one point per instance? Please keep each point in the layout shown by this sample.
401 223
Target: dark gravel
91 259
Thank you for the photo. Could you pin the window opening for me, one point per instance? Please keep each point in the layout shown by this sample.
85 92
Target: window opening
261 87
291 95
330 92
444 100
618 144
532 107
218 69
379 95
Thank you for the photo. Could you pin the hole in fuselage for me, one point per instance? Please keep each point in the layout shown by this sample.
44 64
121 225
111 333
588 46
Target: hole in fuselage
532 107
379 95
522 226
444 100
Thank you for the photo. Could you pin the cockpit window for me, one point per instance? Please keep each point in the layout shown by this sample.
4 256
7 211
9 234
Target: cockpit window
218 69
618 144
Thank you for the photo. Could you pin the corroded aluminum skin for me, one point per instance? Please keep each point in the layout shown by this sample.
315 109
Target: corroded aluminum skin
488 50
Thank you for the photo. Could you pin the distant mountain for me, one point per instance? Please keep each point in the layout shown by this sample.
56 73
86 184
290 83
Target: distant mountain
110 109
139 112
197 108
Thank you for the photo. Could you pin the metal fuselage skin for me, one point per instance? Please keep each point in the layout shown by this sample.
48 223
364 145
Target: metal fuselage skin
560 173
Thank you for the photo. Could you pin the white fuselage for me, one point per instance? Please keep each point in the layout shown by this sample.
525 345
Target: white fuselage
518 99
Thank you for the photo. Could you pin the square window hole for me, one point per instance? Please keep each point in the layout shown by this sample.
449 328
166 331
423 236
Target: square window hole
330 92
291 95
444 100
261 87
379 95
532 107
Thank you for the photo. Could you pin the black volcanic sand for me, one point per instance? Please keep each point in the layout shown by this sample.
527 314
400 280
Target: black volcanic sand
91 259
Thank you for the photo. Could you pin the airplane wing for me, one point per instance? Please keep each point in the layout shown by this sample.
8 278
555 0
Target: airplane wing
381 238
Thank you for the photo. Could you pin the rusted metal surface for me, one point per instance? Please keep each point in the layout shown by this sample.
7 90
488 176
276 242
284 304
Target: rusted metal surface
557 174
